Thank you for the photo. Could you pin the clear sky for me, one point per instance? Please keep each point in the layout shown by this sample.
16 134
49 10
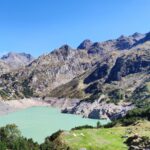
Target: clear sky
39 26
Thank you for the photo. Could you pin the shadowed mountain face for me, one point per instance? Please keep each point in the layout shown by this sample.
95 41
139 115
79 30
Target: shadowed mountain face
115 79
143 40
86 44
17 60
89 71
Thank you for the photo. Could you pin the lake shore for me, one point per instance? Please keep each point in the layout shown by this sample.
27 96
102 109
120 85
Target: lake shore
95 110
10 106
7 107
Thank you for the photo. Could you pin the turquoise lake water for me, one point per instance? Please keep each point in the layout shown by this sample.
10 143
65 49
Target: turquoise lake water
40 122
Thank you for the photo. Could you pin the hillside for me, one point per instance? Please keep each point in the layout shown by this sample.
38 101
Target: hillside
131 132
103 138
115 79
112 87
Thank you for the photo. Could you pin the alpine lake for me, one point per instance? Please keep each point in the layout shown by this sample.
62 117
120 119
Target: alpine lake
39 122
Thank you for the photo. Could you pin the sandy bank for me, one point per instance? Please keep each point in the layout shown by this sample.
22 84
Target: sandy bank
14 105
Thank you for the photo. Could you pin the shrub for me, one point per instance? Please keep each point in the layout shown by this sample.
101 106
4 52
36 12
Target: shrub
10 138
110 125
99 125
83 127
54 135
116 95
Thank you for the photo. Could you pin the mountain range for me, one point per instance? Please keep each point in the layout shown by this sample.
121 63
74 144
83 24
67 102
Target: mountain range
111 72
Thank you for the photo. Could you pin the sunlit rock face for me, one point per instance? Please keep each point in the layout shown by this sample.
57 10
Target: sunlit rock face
87 70
17 60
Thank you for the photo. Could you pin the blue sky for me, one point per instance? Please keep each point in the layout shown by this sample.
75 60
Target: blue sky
39 26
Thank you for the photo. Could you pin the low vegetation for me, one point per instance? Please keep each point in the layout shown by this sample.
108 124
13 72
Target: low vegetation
132 131
132 117
10 138
115 138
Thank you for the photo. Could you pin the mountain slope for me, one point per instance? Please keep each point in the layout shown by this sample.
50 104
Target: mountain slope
125 73
47 72
103 138
4 68
111 88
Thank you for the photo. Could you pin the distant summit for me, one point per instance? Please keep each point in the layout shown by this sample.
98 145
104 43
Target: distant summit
16 60
85 44
121 43
138 36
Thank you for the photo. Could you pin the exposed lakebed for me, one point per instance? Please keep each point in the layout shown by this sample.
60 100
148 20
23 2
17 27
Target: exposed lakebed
40 122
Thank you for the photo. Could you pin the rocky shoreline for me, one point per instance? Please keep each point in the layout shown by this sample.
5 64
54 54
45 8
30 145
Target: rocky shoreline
94 110
100 110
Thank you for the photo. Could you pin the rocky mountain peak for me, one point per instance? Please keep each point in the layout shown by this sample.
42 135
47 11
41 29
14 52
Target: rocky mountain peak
96 44
16 60
16 55
96 48
28 56
64 50
145 38
65 47
85 44
63 53
138 36
124 42
10 54
122 37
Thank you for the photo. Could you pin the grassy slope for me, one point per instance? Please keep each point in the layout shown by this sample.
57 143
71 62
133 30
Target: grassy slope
103 138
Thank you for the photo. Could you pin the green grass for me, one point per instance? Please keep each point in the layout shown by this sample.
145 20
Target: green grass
94 139
103 138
